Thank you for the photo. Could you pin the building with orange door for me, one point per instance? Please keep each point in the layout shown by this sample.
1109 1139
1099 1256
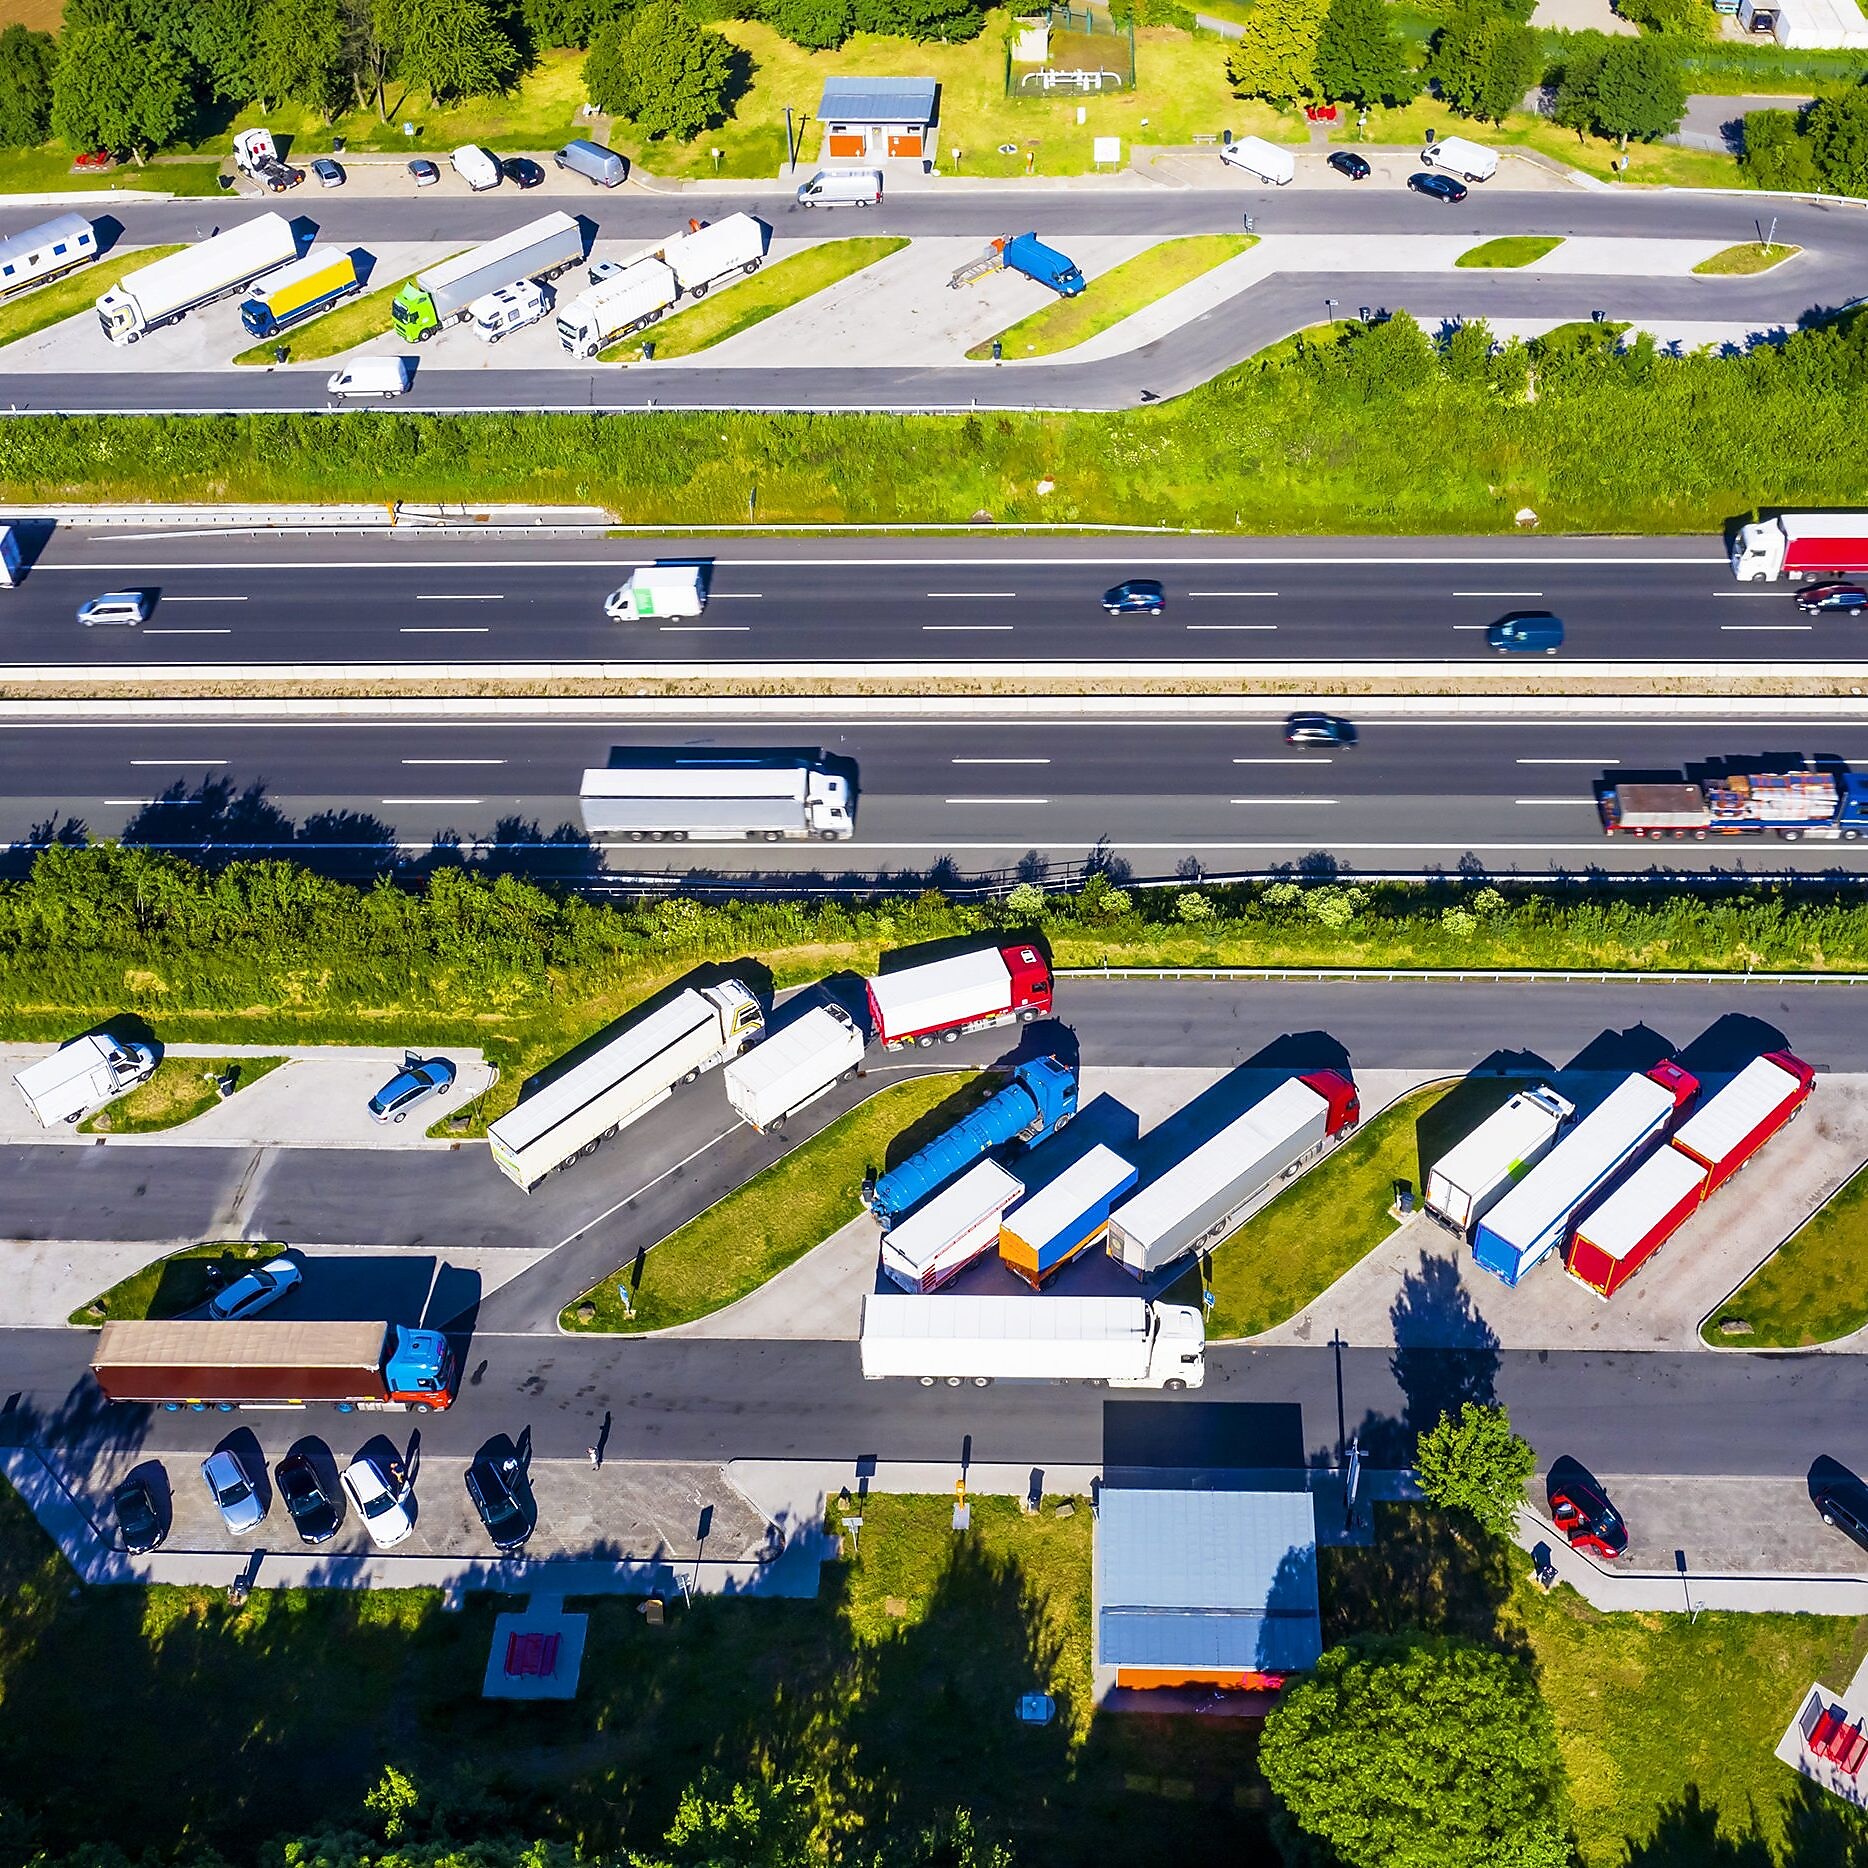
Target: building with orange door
870 119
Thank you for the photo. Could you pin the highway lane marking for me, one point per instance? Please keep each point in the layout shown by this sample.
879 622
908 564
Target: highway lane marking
1472 625
181 761
735 596
463 596
961 629
1284 801
431 801
997 801
1000 762
1767 594
1498 593
1213 626
958 595
704 629
434 762
572 1237
1569 762
1756 629
1550 800
1232 593
188 632
446 629
178 599
1296 758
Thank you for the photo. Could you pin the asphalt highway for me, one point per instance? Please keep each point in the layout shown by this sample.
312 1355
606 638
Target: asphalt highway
1826 276
1414 793
285 600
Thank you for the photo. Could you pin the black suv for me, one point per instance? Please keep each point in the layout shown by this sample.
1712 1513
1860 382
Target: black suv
312 1508
493 1485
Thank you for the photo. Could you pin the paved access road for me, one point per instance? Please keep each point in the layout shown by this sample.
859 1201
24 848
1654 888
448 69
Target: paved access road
1826 275
838 607
1413 794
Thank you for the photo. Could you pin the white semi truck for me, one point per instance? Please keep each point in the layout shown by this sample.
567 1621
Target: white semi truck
624 1080
1125 1342
625 303
168 289
82 1076
721 800
793 1067
713 250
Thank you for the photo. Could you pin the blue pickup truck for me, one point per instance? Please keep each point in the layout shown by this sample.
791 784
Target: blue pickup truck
1028 254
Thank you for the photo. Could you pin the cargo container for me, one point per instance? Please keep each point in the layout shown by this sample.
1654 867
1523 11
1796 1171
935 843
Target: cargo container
1801 544
623 1080
1817 804
1535 1217
1738 1120
940 999
83 1075
324 277
1121 1342
168 289
623 304
355 1365
1202 1198
714 250
1065 1215
793 1067
441 294
1615 1239
35 254
1476 1173
959 1225
1040 1100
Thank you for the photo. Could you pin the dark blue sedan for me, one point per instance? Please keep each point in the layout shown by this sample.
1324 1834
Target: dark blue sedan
1441 187
1140 596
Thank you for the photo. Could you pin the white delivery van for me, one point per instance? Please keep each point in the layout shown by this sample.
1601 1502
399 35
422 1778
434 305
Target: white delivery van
83 1076
476 167
1257 157
1457 156
658 590
511 308
370 376
12 559
842 188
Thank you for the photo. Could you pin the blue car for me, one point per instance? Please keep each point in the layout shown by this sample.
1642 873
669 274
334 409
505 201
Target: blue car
415 1083
1140 596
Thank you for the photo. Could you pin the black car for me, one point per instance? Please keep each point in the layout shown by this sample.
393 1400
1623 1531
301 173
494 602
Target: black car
521 171
139 1522
493 1485
1844 597
1441 187
1847 1515
312 1508
1140 596
1580 1509
1347 162
1318 729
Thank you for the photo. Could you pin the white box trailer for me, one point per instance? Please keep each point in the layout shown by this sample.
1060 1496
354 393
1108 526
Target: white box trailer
623 1081
1126 1342
712 250
440 295
35 254
82 1076
700 801
1477 1172
1199 1200
793 1067
960 1224
168 289
632 300
1458 156
1268 161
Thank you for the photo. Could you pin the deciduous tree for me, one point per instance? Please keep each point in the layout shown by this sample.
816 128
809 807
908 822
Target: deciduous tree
817 24
1630 88
1359 55
1277 52
668 76
114 90
1477 1465
1483 62
1838 133
301 55
451 48
27 62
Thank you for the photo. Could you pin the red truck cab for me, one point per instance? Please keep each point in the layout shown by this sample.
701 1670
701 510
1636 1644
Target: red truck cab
1345 1105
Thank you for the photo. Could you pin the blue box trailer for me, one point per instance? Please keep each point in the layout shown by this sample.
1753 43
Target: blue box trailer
1028 254
1050 1227
1535 1218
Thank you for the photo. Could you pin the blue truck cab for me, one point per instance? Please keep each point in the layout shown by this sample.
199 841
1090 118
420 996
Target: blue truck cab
1028 254
1852 818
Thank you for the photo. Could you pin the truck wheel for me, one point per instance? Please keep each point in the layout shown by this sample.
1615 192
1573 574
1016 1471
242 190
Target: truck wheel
1175 1385
693 1076
982 1381
698 291
953 1381
927 1381
775 836
1851 836
924 1041
753 265
1028 1015
949 1037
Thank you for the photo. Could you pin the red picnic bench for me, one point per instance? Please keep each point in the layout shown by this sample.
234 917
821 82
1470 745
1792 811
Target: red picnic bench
1843 1745
531 1656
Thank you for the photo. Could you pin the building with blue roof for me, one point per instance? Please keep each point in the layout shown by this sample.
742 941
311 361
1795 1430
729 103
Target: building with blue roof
870 119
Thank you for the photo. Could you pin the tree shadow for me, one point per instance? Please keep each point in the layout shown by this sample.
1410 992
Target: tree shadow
216 815
1687 1834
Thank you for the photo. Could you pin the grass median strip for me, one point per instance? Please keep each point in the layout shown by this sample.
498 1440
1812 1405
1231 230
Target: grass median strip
77 291
1291 1251
1748 257
1810 1290
778 1215
175 1285
1106 301
352 323
1511 250
776 288
181 1089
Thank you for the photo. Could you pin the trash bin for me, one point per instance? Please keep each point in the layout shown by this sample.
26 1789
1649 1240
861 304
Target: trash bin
337 145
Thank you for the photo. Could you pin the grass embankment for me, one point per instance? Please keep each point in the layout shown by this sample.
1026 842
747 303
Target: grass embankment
775 288
1328 1220
1324 432
175 1285
1509 250
1811 1289
342 328
77 291
1749 257
181 1089
48 171
777 1216
1116 295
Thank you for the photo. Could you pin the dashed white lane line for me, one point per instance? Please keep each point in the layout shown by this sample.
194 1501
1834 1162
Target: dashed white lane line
1283 800
181 599
462 596
996 801
1000 762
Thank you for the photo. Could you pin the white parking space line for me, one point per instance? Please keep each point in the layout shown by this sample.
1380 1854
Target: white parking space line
446 629
1000 762
1569 762
179 599
996 801
1762 629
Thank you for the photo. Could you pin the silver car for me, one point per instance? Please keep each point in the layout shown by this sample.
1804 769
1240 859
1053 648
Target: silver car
255 1290
330 174
116 606
234 1492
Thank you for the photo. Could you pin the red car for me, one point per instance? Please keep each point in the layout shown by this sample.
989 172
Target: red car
1580 1509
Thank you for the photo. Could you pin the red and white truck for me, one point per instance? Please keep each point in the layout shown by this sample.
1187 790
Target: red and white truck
940 999
1801 544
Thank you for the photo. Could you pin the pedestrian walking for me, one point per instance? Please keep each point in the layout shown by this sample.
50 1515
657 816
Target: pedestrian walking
596 1458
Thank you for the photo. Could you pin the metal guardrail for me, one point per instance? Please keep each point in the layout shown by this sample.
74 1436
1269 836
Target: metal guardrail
1541 976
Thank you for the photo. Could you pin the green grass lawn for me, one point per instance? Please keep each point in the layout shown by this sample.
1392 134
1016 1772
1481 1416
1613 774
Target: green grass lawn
778 1215
1116 295
1811 1289
726 314
344 327
1749 257
1329 1219
181 1089
1509 250
48 171
77 291
174 1285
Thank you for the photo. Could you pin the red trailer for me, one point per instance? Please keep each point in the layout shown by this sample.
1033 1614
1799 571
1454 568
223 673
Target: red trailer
968 991
1731 1127
1636 1220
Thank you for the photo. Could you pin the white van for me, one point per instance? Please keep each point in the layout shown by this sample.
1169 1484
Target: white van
1457 156
86 1074
371 376
1257 157
511 308
658 590
842 188
476 168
